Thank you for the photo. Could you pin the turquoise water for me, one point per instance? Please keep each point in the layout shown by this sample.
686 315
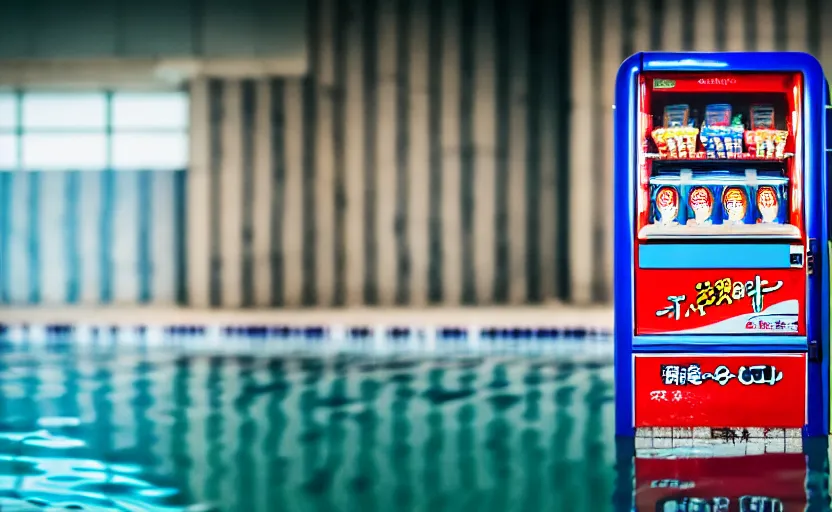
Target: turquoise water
106 428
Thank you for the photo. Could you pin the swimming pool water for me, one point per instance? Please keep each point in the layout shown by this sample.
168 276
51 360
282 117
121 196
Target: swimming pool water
115 427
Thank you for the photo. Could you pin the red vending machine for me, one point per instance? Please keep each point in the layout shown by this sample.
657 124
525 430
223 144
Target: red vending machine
721 277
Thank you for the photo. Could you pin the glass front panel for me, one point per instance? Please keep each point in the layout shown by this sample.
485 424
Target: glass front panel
720 157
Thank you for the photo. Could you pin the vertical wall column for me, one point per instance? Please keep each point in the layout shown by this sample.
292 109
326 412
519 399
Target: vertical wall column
354 154
292 216
513 135
766 21
673 21
452 262
263 197
323 171
199 200
382 186
231 195
704 35
417 157
607 61
582 196
479 145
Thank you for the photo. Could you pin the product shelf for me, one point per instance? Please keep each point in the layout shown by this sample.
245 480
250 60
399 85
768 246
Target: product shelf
700 158
718 231
711 179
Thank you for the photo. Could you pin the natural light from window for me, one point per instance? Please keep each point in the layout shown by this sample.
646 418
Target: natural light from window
93 131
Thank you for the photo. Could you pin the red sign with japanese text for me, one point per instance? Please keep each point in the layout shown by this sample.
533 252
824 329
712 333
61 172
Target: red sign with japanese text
720 391
771 481
738 301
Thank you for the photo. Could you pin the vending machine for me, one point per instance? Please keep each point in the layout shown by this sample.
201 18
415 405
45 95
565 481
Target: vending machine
721 243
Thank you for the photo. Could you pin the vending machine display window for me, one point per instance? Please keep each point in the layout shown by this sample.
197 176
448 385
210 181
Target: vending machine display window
720 162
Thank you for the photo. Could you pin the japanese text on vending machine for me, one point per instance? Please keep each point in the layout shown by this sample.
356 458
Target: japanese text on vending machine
723 291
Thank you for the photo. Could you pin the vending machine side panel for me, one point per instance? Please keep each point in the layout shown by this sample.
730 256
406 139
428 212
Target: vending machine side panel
625 161
825 265
814 203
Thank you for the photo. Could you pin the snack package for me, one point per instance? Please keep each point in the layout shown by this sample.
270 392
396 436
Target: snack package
721 133
763 139
762 117
765 143
702 204
676 139
736 205
676 143
676 116
771 203
718 114
666 205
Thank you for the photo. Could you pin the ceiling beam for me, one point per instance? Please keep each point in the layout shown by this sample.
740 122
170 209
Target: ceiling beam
141 74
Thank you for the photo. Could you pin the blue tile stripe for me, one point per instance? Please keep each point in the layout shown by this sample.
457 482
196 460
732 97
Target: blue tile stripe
5 233
180 249
33 238
422 338
71 231
145 219
707 256
108 190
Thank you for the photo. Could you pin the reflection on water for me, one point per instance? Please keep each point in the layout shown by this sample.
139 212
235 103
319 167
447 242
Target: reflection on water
105 429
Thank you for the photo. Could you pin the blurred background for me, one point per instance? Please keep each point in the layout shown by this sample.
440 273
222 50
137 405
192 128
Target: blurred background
255 154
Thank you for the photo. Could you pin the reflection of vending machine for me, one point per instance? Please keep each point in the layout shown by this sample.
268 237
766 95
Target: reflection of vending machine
721 285
773 482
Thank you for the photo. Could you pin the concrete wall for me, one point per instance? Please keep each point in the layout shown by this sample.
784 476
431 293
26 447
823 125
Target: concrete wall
423 160
437 151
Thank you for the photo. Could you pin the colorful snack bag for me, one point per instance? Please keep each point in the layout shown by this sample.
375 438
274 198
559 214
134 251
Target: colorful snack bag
721 134
780 137
672 145
660 138
764 143
676 142
689 139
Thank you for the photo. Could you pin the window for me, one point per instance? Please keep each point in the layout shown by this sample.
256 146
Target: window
48 152
8 151
8 111
93 131
150 150
150 111
64 111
